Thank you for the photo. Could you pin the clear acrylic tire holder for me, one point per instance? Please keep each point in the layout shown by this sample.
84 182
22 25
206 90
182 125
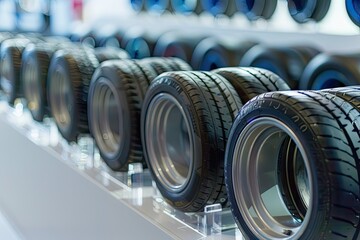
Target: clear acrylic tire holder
134 188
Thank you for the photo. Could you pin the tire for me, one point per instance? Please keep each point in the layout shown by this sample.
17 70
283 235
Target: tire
124 82
161 65
331 71
173 44
186 8
11 53
34 71
140 43
110 53
251 82
304 11
348 94
185 118
68 83
353 10
256 9
288 62
315 184
221 7
215 52
116 94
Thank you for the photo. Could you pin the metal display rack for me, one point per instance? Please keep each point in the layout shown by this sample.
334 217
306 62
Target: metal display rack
53 190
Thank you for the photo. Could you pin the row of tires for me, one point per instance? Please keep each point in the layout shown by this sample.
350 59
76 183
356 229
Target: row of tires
233 136
303 67
301 11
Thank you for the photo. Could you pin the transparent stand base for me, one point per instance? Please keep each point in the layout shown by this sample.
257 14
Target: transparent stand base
84 156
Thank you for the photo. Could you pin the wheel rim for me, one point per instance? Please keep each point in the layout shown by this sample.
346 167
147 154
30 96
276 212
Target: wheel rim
256 176
62 100
107 120
32 86
169 142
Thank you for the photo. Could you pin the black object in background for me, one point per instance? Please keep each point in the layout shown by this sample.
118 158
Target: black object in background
177 44
217 52
219 7
331 70
255 9
140 43
353 10
288 62
305 10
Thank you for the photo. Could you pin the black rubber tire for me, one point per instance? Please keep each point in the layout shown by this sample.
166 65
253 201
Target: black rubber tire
177 44
140 43
71 69
127 84
11 53
251 82
349 94
215 52
257 8
110 53
221 7
314 10
127 81
161 65
210 104
330 71
353 10
288 62
34 71
328 129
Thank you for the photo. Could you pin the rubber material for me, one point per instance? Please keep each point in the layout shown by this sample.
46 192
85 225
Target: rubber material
251 82
219 7
303 11
353 10
140 43
255 9
177 44
120 85
34 70
109 53
288 62
348 94
128 84
316 118
210 104
329 71
11 52
215 52
73 69
161 65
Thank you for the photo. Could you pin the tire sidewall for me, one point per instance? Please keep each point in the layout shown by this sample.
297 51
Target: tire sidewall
287 116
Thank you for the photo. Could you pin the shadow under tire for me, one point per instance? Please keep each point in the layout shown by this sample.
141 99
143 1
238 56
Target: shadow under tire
320 200
185 122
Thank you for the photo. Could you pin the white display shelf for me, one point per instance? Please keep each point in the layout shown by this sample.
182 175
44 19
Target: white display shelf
53 190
